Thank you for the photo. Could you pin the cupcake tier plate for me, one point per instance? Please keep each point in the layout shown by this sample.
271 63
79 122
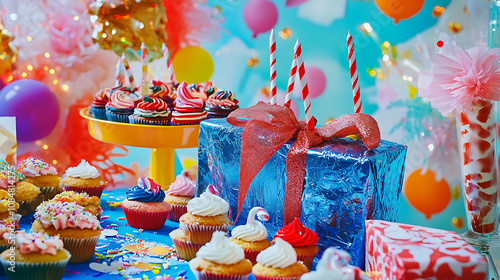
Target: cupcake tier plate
162 140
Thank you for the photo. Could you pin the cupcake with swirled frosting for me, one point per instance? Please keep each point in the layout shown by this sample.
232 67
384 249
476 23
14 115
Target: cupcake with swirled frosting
221 104
151 111
206 214
334 265
79 229
178 195
189 106
120 106
302 239
252 237
144 207
220 259
42 175
163 90
37 256
98 106
84 178
278 262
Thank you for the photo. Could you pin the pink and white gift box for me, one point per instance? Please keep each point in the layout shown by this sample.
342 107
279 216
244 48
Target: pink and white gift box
399 251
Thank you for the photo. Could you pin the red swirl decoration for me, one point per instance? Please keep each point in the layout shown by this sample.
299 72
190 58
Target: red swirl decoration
100 99
156 104
297 235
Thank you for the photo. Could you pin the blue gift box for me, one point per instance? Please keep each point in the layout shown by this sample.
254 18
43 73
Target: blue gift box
345 184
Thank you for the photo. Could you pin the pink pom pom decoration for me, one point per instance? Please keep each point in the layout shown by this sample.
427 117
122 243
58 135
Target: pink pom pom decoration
458 77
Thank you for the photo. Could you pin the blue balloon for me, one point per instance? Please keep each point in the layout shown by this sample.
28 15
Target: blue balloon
35 107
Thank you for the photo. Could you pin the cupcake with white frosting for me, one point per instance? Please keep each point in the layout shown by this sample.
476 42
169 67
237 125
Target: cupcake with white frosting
220 259
252 237
206 214
84 178
278 262
334 266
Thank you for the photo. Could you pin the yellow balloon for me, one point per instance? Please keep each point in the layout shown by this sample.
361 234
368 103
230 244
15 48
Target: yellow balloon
193 65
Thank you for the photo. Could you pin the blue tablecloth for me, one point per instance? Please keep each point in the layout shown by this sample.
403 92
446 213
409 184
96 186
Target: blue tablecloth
82 271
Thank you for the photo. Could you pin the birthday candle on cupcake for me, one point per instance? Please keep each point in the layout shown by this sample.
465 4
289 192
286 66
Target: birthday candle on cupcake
120 73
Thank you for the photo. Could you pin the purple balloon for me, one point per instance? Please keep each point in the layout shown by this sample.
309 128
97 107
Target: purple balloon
33 104
2 84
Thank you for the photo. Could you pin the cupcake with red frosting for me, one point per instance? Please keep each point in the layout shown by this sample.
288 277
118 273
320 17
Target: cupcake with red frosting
98 106
120 106
179 193
189 106
302 239
151 111
37 256
221 104
163 90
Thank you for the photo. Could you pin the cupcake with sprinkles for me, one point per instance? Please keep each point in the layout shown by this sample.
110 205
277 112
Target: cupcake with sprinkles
26 194
84 178
98 106
38 256
189 106
8 227
144 207
302 239
79 229
89 203
42 175
252 237
178 195
151 111
6 204
221 104
120 106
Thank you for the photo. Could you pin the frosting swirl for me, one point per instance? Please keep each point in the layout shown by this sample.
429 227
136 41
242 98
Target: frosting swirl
32 167
84 170
297 235
152 104
280 255
40 243
188 100
332 266
101 98
220 250
121 100
146 190
63 215
253 230
160 89
208 204
182 187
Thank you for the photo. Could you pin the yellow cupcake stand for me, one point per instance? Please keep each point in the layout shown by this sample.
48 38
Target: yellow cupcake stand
162 140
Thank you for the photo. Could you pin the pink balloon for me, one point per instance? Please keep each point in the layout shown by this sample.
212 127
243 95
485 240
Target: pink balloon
260 16
316 81
292 3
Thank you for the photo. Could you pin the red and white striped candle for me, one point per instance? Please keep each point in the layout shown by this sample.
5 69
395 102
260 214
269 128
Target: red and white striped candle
291 82
354 75
144 64
128 72
170 68
304 88
272 50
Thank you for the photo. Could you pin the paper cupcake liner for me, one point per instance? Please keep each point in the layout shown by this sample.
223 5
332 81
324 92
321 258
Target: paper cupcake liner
148 122
26 207
176 212
91 191
201 234
215 276
145 220
36 271
186 250
261 277
98 113
123 118
48 193
251 255
307 260
81 249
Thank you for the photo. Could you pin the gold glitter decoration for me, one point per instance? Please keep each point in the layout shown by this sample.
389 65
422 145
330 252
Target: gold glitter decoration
8 52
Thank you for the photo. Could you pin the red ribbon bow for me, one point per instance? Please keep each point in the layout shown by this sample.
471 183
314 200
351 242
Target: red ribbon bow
268 127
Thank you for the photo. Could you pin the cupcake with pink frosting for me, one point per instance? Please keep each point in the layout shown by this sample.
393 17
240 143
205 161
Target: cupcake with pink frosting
178 195
120 106
79 229
42 175
189 106
37 256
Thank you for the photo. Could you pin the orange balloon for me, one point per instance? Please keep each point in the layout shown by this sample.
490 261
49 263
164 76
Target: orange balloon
399 9
426 194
